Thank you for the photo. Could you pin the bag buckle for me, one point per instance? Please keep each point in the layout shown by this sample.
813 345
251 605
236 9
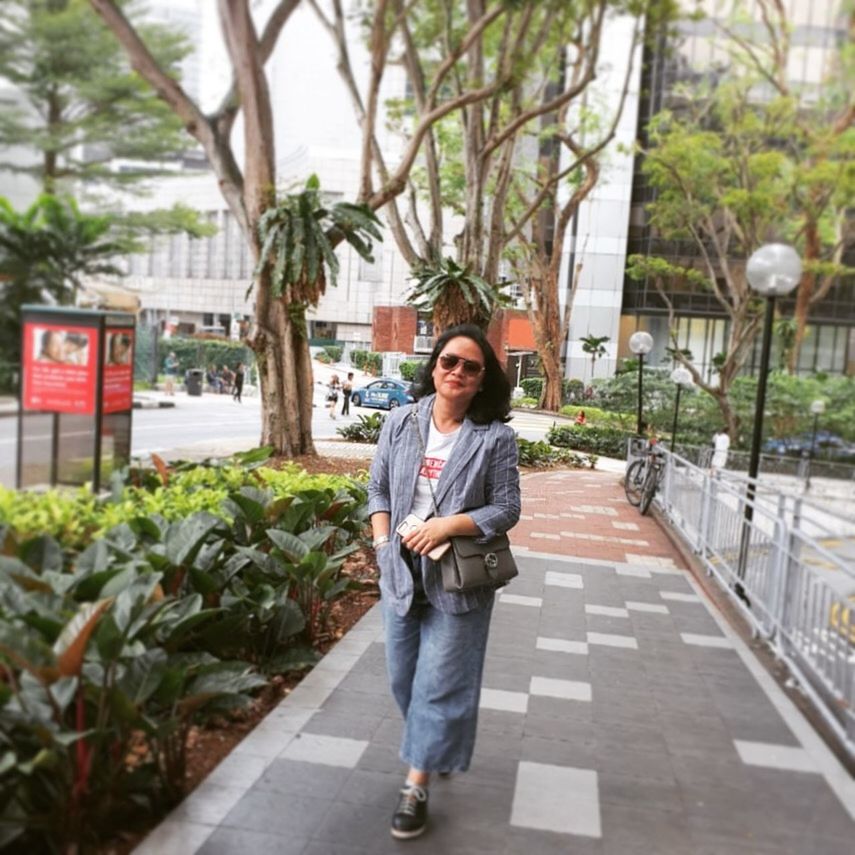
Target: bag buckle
491 561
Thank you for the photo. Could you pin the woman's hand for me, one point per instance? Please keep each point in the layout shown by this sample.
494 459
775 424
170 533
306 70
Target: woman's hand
429 535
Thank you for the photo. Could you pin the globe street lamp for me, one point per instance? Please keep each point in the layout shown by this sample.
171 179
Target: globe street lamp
817 407
774 270
681 376
640 343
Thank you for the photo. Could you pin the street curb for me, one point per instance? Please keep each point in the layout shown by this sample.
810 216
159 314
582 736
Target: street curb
153 405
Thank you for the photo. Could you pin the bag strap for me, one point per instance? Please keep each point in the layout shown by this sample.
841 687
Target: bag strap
414 416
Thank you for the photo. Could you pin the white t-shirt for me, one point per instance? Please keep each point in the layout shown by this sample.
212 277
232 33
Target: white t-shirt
437 451
721 444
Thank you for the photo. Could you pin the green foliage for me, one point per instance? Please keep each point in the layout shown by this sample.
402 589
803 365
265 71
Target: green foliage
605 441
298 237
455 294
532 386
333 351
524 403
45 252
157 609
410 367
597 417
79 90
364 429
367 360
202 352
541 455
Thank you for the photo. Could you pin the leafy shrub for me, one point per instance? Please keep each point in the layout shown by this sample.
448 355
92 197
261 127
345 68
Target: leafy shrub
597 417
367 360
410 367
532 386
525 403
365 429
200 353
605 441
323 357
333 351
201 580
542 455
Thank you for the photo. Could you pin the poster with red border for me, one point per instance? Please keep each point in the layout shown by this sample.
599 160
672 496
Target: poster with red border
59 367
118 370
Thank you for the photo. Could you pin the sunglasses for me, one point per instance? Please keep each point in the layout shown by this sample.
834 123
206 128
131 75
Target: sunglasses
449 361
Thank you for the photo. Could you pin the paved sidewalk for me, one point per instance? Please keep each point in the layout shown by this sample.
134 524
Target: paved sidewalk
620 715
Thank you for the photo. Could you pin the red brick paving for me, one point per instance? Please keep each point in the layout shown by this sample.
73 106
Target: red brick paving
572 496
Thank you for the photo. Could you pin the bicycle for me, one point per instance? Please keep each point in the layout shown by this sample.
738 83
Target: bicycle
642 478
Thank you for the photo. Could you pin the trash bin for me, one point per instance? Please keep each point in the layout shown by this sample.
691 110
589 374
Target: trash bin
193 380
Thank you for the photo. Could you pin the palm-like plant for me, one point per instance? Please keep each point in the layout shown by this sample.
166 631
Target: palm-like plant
455 295
594 346
298 238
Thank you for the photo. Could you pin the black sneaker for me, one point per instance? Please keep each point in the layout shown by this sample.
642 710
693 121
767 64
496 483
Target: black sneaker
410 818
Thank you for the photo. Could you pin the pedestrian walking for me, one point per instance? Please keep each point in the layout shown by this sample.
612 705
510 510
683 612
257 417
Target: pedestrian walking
436 639
332 394
170 368
237 388
721 446
346 392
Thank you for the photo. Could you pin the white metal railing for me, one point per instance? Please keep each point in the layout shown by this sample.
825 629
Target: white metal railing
793 584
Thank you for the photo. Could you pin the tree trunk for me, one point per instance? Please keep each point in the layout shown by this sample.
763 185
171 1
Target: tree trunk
813 251
545 321
285 377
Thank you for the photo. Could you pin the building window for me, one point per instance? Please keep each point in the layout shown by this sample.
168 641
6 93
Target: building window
371 271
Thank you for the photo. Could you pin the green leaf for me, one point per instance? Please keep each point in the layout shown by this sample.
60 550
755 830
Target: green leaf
290 545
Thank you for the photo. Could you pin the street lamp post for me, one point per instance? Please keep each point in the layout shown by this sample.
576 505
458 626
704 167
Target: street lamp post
773 270
640 343
817 407
680 376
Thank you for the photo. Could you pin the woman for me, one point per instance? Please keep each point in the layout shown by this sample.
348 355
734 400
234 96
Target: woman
436 640
332 394
237 390
170 367
346 392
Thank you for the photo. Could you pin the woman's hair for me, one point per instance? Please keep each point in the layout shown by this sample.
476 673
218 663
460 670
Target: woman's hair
493 400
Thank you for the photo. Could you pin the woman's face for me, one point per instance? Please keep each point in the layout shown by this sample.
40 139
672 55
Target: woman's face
53 347
460 382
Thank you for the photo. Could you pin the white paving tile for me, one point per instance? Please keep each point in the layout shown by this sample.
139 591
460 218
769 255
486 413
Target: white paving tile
562 645
561 799
625 526
771 756
606 611
677 597
325 750
631 570
653 608
519 600
568 690
499 699
706 640
610 640
175 837
543 535
564 580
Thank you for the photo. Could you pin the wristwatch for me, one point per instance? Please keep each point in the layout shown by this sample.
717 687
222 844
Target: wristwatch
379 541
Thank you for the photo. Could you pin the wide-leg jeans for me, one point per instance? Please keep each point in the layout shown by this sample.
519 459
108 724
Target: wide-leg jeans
435 663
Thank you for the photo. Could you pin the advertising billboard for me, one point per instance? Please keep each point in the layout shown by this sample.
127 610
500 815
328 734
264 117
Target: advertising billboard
59 367
118 370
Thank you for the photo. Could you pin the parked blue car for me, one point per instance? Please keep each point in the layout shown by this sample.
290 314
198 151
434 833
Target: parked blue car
383 393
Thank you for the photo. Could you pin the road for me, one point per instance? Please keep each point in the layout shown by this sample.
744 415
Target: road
217 423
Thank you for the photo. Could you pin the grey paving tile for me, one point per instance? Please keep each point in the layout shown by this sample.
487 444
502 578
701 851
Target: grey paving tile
295 778
351 725
229 841
575 751
381 758
390 732
508 724
655 794
497 678
532 842
558 710
636 831
267 811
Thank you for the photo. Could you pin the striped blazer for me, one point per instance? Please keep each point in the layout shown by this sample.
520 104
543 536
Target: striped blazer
480 479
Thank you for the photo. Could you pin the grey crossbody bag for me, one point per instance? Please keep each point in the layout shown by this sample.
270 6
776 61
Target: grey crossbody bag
471 563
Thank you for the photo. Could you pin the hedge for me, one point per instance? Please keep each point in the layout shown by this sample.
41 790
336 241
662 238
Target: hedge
606 441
